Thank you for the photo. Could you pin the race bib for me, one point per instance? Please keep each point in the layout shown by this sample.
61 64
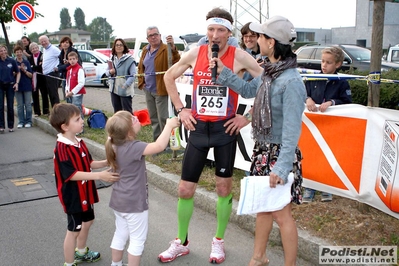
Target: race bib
212 100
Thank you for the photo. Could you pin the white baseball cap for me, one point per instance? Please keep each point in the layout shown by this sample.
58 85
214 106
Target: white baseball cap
278 28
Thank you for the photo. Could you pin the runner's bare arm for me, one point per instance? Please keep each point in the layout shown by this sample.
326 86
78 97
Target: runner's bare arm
187 61
243 61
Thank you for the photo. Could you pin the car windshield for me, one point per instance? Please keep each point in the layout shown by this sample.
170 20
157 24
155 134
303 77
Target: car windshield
358 53
100 55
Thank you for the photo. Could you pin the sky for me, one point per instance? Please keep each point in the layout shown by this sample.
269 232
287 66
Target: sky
178 17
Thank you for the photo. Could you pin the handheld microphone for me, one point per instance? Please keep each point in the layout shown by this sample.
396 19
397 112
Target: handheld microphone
215 51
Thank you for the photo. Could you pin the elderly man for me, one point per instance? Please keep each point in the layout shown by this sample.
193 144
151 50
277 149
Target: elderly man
154 58
50 63
212 122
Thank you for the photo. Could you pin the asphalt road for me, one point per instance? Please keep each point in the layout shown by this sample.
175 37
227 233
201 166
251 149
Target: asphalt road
33 224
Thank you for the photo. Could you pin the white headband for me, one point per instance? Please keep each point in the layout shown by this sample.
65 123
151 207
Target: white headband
220 21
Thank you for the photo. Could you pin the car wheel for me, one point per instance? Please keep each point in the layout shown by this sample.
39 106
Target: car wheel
105 81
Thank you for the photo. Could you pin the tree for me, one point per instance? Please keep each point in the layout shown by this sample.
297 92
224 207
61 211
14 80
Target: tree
65 19
34 36
6 16
101 29
79 16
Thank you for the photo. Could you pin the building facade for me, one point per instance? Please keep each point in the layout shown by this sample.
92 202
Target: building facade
77 36
361 33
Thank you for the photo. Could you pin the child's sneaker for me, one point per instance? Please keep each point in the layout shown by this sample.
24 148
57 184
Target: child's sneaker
175 250
325 197
308 195
90 256
74 264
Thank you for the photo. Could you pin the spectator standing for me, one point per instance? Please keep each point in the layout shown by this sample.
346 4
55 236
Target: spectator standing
249 42
154 58
24 92
215 127
129 198
8 85
66 47
38 81
326 93
123 71
75 81
49 65
276 125
26 42
74 178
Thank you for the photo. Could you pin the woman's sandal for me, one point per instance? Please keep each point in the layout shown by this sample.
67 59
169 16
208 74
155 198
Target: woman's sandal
261 262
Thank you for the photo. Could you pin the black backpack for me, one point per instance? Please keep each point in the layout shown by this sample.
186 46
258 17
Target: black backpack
97 119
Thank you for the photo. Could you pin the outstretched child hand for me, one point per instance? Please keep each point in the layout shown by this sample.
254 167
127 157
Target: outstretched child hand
108 176
173 122
162 141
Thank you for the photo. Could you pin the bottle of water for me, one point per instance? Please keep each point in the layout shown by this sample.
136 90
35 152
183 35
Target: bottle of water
174 139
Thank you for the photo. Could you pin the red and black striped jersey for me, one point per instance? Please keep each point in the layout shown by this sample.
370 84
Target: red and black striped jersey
69 158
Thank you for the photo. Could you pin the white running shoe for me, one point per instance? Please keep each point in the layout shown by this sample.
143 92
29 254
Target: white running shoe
175 250
217 255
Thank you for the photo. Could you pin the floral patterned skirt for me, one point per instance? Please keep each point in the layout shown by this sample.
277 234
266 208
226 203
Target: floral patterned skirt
263 160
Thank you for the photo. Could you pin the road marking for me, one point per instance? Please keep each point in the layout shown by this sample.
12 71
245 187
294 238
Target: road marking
24 181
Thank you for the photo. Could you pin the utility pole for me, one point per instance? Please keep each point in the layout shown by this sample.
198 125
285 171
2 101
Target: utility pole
376 51
241 9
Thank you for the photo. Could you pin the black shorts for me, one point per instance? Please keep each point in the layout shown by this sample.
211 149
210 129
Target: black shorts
75 220
209 135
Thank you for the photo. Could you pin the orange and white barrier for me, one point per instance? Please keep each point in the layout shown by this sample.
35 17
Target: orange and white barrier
350 150
143 116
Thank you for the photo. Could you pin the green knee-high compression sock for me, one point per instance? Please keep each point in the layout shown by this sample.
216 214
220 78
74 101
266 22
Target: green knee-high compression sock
185 209
223 211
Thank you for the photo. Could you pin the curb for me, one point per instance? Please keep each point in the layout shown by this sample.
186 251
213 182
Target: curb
308 246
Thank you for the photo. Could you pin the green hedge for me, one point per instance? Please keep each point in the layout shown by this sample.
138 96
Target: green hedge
389 93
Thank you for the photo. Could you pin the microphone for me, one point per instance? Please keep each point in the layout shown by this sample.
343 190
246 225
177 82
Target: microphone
215 51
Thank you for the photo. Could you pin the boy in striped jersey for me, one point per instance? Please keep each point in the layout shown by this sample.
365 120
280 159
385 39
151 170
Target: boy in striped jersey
75 182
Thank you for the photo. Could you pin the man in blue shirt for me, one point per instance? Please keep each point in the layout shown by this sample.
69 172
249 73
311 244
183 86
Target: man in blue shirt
50 70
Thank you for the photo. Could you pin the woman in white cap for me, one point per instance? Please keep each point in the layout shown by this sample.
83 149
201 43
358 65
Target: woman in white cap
276 127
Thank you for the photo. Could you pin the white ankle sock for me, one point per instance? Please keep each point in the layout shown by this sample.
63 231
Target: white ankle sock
119 263
82 251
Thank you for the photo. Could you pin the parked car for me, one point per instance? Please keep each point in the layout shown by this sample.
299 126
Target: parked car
356 57
94 64
108 51
393 54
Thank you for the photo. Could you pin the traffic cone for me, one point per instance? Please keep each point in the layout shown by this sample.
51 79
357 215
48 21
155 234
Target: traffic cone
86 111
143 116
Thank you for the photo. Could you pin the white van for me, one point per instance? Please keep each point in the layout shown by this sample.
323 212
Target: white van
140 43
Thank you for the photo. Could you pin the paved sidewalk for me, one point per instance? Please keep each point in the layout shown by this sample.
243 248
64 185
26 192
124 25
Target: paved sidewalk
99 98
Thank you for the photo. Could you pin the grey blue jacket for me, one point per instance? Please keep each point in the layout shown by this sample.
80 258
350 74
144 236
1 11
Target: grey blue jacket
288 97
124 66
